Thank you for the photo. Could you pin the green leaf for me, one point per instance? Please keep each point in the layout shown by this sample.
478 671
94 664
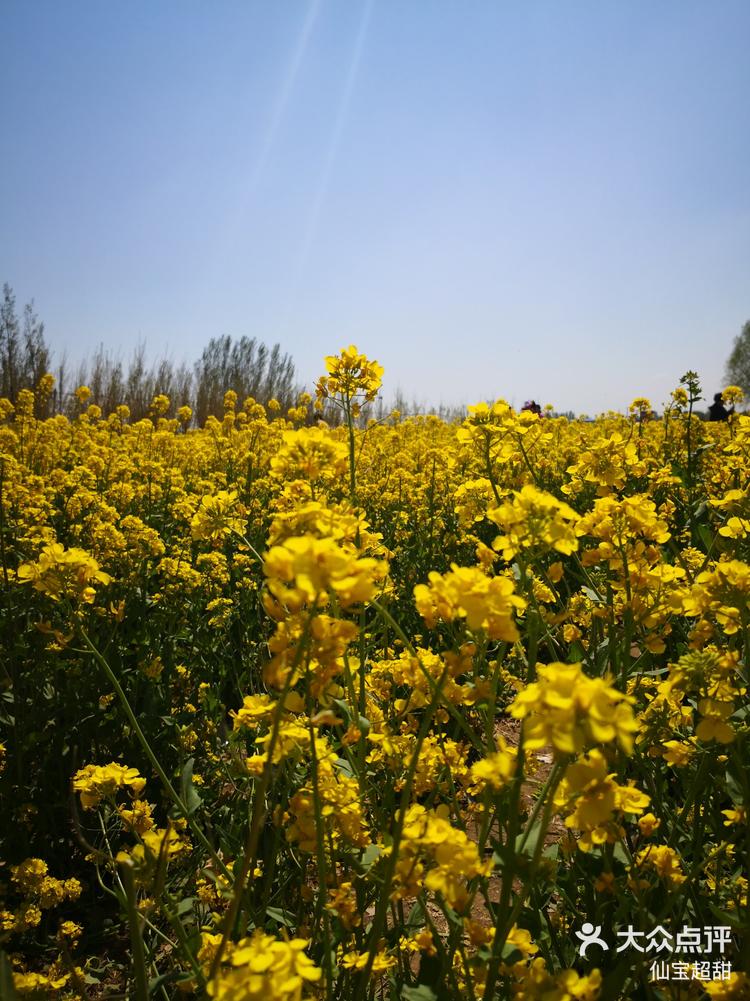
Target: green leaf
416 916
422 992
576 653
281 917
173 977
614 980
707 536
618 852
369 857
190 795
531 841
511 953
734 788
185 906
344 707
345 767
7 987
725 917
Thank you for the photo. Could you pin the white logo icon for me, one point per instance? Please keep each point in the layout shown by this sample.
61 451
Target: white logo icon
590 935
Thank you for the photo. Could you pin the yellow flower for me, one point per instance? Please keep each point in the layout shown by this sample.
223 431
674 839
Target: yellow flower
735 988
138 817
495 770
678 753
305 570
70 931
487 603
61 572
256 709
437 855
350 374
310 454
262 968
596 801
648 823
520 939
534 519
664 861
733 395
160 405
538 984
218 516
640 407
738 815
98 782
680 396
39 984
735 528
569 710
158 845
714 725
358 961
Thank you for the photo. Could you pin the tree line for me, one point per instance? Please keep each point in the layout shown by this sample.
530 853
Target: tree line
245 365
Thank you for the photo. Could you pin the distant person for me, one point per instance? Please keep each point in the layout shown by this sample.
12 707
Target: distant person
717 411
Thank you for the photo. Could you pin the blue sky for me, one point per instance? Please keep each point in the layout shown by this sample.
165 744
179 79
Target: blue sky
515 199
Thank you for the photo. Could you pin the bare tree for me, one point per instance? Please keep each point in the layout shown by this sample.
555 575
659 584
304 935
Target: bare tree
24 355
245 366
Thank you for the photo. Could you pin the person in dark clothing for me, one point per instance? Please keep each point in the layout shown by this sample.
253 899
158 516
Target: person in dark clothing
717 411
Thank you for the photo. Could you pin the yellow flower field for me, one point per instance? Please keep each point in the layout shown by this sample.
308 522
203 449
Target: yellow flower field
399 709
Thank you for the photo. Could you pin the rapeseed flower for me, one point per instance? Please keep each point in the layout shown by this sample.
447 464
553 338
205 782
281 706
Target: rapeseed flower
63 573
262 968
570 711
486 603
536 520
98 782
350 374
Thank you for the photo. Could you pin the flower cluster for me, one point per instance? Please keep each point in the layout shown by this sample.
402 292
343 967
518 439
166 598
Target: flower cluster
534 520
350 374
435 854
486 603
262 968
64 573
569 711
98 782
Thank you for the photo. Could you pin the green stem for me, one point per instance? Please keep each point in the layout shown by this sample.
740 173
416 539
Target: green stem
382 904
546 797
140 975
173 794
320 854
258 812
352 457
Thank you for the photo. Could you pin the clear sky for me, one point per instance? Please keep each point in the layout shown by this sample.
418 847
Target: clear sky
492 197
